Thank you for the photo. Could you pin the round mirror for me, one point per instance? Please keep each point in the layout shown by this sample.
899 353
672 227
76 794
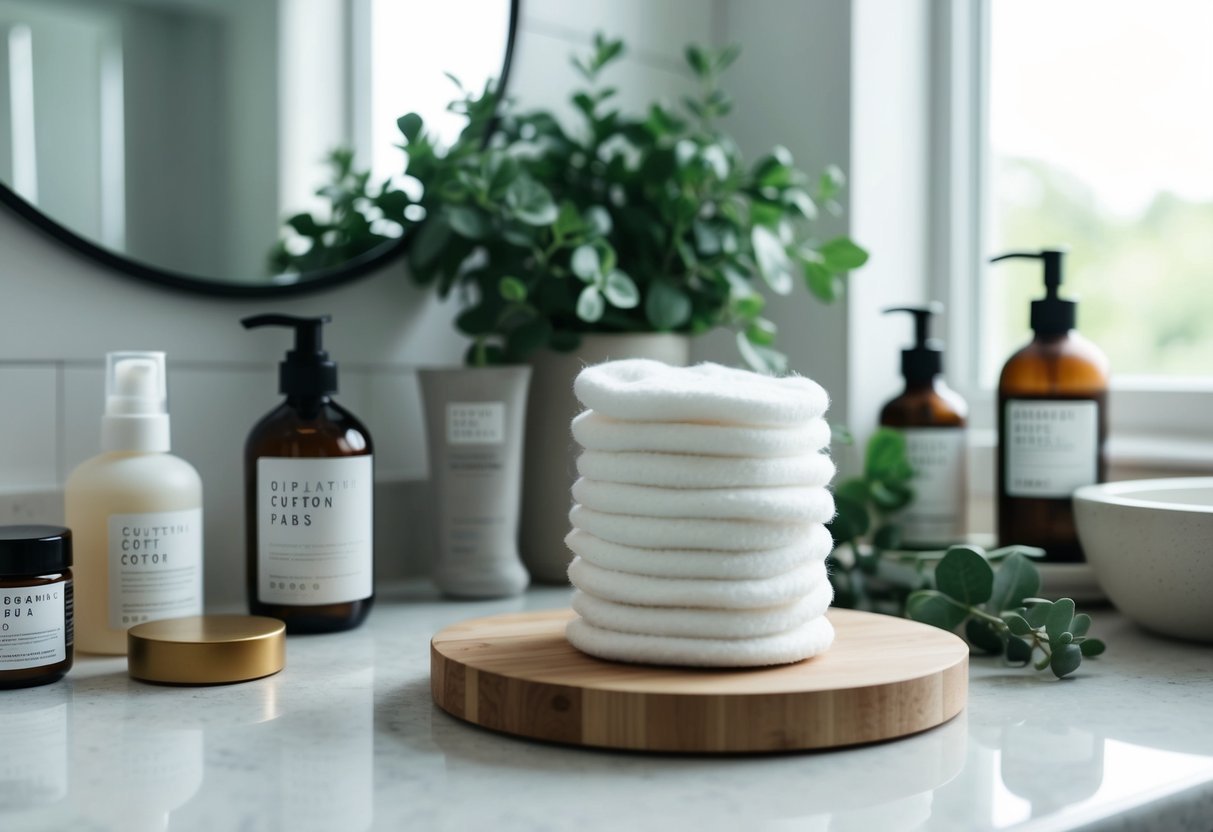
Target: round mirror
176 139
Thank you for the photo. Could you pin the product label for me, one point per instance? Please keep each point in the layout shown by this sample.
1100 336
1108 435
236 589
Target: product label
937 515
33 625
1051 448
475 423
155 566
314 519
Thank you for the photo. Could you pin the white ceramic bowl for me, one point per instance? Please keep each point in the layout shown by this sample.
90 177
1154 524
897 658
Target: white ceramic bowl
1150 543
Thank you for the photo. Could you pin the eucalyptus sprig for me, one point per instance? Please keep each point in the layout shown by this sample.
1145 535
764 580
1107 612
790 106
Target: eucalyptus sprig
992 593
1001 612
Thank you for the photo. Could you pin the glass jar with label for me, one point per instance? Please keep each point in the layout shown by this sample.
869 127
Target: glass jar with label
35 605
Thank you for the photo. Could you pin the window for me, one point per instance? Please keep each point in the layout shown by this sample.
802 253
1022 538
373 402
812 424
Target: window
1086 123
1101 137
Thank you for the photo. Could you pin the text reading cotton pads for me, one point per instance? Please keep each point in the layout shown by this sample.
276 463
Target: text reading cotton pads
699 518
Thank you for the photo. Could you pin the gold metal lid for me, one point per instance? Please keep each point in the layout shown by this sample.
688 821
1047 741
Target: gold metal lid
206 649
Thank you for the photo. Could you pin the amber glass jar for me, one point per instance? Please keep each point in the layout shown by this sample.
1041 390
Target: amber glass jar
36 631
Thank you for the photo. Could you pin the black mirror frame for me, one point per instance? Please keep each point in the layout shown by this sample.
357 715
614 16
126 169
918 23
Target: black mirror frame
316 281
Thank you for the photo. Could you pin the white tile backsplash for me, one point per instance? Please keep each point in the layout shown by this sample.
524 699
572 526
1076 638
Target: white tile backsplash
28 433
82 405
397 426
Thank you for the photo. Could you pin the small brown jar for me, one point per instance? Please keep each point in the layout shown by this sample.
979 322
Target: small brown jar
36 630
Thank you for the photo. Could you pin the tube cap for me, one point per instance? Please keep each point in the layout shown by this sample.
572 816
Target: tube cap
206 649
34 550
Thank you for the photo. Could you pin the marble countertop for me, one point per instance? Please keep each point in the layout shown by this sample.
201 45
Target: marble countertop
346 738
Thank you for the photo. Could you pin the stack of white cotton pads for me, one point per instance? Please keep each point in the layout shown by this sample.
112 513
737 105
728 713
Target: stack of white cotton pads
699 518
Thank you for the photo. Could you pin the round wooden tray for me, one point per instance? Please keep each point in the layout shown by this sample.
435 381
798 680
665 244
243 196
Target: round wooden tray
884 677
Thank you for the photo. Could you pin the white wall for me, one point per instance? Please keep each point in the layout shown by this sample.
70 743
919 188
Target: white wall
61 314
791 87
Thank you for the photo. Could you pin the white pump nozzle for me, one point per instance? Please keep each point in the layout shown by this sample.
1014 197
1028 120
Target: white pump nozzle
136 403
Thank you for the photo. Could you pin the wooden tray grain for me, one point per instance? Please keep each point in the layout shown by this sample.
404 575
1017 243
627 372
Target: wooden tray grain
884 677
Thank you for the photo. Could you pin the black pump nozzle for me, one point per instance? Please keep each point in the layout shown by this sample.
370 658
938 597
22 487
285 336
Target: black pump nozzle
1052 314
307 370
924 360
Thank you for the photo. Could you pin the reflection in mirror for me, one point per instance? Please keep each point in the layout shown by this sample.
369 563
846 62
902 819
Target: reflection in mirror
180 133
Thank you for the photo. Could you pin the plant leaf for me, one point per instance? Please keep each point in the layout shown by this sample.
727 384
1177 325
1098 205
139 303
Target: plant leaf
667 306
1019 651
512 289
621 291
761 332
935 608
1080 624
1015 579
429 243
773 262
887 536
586 263
1065 660
1092 647
761 359
1038 613
841 254
831 182
983 636
823 284
1017 624
965 575
410 126
885 459
851 520
469 222
599 219
590 304
1058 621
697 60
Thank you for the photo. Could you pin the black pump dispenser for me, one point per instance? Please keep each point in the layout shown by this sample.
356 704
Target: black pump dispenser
924 360
1051 315
307 370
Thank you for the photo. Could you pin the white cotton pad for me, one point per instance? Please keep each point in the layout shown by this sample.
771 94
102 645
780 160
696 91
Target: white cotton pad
701 623
649 391
701 563
647 591
596 432
687 471
807 640
785 504
673 533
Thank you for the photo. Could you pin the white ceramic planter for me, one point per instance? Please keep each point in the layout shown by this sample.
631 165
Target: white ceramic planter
474 425
550 451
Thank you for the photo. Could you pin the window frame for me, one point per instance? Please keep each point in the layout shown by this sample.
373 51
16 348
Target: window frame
1153 420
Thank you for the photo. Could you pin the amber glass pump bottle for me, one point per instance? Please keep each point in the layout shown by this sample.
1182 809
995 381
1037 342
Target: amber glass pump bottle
308 496
1052 423
932 418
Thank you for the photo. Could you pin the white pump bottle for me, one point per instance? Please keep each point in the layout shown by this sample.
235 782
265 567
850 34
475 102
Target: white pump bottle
135 512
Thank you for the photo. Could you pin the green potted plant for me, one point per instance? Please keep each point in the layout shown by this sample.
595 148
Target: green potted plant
620 236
